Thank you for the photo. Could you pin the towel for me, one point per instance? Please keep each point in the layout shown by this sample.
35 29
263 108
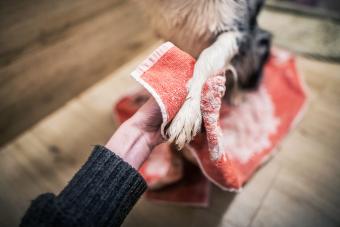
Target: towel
237 139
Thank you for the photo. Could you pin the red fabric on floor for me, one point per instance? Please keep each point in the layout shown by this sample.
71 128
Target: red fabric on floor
237 139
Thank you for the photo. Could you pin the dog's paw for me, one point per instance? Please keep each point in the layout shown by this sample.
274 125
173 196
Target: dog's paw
186 124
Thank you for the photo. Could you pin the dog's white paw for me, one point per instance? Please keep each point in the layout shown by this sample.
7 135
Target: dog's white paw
186 124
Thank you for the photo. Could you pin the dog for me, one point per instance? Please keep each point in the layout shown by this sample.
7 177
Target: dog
220 34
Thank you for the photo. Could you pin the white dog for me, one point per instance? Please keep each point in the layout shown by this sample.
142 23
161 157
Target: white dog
219 33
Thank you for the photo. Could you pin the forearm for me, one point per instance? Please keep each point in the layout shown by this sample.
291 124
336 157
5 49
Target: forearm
102 193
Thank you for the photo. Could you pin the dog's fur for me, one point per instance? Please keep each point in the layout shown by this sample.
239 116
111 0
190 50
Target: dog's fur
219 33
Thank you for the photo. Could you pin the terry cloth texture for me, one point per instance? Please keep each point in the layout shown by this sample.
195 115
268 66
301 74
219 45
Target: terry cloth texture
101 193
236 140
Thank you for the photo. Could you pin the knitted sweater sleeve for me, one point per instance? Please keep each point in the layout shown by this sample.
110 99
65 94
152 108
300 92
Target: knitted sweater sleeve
101 193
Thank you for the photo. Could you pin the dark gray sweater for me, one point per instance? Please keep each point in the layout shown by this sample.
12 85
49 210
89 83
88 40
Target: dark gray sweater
101 193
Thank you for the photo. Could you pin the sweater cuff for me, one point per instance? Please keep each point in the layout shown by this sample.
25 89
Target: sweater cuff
104 189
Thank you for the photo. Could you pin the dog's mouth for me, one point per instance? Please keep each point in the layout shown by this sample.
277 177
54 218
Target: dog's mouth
232 85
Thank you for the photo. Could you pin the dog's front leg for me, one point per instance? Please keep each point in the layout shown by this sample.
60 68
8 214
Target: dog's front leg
212 60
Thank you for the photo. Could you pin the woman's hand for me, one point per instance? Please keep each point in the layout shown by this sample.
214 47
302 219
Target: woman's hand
148 119
135 138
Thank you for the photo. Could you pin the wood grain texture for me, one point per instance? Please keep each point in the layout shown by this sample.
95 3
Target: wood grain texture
51 51
298 187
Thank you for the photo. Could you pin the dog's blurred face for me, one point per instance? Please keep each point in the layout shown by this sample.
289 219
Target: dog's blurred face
254 49
253 54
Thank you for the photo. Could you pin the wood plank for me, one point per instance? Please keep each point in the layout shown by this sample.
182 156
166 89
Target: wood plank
76 52
26 25
290 211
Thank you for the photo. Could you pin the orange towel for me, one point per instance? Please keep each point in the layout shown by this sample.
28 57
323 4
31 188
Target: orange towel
237 139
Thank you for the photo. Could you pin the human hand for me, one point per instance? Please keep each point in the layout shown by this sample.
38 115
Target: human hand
135 138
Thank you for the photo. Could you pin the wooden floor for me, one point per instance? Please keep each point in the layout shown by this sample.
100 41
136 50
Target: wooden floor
298 187
51 51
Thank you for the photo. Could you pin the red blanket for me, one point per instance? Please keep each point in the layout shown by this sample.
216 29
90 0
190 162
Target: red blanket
237 139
